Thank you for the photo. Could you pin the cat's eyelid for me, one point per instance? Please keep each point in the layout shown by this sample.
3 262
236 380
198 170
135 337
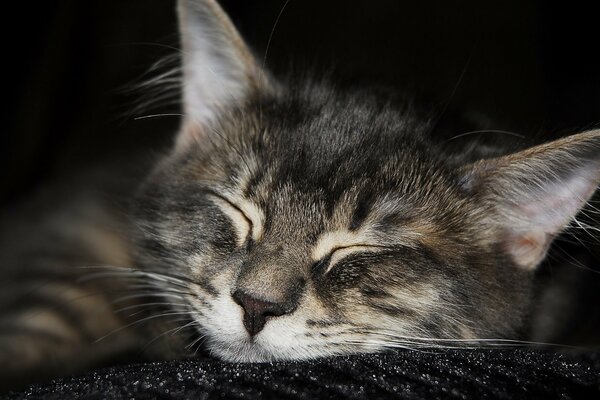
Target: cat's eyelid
339 244
339 253
241 222
250 211
338 240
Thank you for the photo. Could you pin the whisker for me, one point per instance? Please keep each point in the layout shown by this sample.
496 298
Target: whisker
194 342
122 309
121 328
158 115
145 294
171 331
488 131
478 342
169 278
272 33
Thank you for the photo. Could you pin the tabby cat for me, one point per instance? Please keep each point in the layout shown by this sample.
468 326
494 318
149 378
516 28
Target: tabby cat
290 220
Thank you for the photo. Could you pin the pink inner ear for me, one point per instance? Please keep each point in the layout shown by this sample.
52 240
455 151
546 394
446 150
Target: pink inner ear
528 249
549 207
541 213
537 192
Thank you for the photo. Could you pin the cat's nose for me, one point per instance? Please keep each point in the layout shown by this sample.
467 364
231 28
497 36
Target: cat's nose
257 311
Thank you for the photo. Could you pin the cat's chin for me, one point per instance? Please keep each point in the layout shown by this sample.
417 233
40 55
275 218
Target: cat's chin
245 353
268 346
237 346
254 352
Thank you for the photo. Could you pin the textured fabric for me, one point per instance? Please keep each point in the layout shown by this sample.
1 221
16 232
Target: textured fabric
457 374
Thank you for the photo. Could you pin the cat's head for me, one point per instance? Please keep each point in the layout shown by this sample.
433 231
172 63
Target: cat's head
302 222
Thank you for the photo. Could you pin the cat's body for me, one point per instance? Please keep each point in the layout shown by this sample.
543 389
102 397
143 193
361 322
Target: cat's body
290 221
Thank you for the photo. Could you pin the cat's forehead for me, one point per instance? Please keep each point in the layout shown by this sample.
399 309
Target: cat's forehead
317 128
335 164
321 155
348 208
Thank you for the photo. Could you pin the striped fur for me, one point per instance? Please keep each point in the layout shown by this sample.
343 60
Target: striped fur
368 225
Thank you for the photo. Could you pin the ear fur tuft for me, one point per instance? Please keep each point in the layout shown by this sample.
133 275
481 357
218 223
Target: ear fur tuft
219 71
537 192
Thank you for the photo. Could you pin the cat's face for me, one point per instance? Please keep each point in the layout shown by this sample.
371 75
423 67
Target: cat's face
309 223
345 222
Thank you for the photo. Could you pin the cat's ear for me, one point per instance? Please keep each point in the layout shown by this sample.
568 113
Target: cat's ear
536 193
219 71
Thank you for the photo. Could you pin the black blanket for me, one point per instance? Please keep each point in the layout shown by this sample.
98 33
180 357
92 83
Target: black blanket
455 374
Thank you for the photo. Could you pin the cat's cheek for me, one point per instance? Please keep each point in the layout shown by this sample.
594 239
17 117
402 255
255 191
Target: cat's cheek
337 273
208 264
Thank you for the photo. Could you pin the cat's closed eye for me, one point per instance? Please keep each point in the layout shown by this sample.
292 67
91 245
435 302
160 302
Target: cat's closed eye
241 222
338 254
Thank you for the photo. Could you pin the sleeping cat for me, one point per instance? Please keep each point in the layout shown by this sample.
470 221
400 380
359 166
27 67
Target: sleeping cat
290 220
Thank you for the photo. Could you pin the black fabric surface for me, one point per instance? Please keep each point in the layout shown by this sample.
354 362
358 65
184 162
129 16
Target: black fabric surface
456 374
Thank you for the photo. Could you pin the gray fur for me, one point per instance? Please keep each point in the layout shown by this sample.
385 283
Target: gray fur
348 217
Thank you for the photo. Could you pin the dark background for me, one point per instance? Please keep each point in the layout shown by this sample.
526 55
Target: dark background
534 66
